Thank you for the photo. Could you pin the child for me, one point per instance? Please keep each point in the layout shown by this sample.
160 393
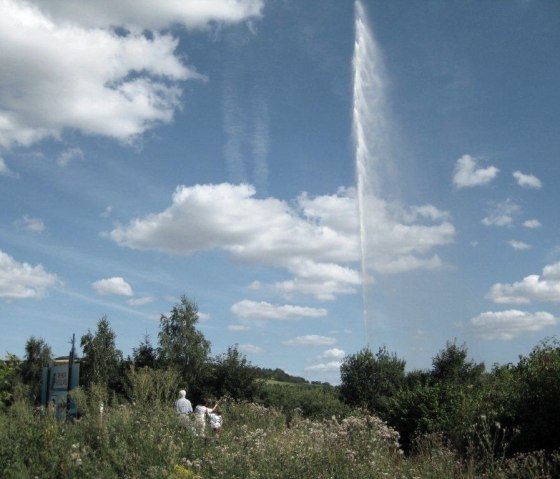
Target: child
216 421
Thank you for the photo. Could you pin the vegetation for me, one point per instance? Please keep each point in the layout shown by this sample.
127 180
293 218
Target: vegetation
454 420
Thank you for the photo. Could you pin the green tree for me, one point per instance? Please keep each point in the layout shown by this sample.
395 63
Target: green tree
233 375
10 375
145 355
183 346
38 354
102 361
369 380
451 366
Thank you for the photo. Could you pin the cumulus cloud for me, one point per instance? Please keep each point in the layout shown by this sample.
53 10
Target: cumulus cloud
146 14
65 67
543 288
519 245
114 286
509 324
502 213
251 348
22 280
248 309
315 239
467 174
333 353
33 225
310 340
527 181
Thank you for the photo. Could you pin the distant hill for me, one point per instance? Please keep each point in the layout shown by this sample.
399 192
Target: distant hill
278 375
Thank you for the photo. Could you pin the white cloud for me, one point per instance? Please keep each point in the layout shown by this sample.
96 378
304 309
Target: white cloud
248 309
141 301
238 327
544 288
116 285
21 280
502 213
519 245
333 353
311 340
509 324
68 155
532 224
527 181
467 174
4 170
250 348
59 75
316 239
33 225
203 316
324 367
146 14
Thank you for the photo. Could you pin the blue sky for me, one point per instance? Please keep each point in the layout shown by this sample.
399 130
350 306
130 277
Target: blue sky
211 148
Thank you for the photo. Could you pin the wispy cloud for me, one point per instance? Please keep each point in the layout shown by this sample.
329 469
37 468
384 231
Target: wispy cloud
238 327
468 174
248 309
33 225
519 245
532 224
507 325
68 155
502 214
310 340
4 170
251 348
141 301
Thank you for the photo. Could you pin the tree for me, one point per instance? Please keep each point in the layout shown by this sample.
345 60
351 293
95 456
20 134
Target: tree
145 355
451 366
101 359
369 380
183 346
38 355
232 374
10 370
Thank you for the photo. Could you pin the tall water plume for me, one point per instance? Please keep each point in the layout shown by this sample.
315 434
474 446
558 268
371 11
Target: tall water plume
370 137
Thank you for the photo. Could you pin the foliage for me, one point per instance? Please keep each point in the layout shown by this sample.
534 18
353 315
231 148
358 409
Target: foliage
183 346
537 398
152 387
38 355
232 375
9 376
369 380
306 400
145 355
451 366
101 359
129 442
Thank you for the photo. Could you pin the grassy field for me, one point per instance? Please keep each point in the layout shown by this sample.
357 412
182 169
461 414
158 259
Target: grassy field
147 441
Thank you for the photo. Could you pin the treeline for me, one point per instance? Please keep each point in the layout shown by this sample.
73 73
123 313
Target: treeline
511 409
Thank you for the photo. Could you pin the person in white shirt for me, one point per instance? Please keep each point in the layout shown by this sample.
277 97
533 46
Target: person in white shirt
183 407
200 413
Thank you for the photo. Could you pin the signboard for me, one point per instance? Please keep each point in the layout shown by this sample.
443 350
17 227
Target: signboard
55 394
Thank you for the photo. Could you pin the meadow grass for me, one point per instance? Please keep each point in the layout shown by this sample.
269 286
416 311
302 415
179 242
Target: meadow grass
147 441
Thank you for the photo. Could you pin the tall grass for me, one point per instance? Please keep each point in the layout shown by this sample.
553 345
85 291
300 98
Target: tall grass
143 441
